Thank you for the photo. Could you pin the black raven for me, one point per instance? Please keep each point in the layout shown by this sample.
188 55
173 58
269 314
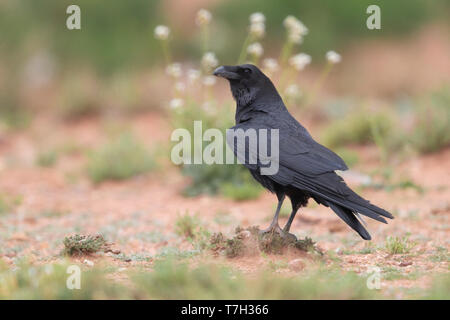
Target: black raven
306 168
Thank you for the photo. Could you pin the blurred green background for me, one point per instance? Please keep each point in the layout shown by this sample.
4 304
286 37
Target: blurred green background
118 35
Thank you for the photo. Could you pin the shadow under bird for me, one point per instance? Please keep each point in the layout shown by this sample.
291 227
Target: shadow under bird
306 168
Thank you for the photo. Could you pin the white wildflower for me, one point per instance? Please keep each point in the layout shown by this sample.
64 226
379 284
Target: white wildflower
257 17
257 25
289 22
176 103
203 17
333 57
209 81
295 37
300 61
162 32
292 91
209 61
296 29
193 75
258 30
255 49
294 25
270 64
174 70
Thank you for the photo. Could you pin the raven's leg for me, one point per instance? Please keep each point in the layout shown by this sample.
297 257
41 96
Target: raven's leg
296 204
291 218
274 225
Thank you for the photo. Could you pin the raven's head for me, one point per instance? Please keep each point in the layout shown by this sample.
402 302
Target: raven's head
247 82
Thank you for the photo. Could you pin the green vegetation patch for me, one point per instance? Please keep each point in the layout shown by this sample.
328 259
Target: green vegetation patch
121 158
172 280
357 128
398 245
432 122
81 244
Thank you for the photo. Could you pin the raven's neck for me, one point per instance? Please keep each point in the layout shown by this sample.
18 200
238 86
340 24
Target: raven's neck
267 102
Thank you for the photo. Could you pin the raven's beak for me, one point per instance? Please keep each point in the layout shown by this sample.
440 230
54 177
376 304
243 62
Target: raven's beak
227 72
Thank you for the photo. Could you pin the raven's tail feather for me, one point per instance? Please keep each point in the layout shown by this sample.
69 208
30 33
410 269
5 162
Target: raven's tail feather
331 190
349 218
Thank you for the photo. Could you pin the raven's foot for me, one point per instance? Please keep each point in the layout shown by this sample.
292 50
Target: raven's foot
289 237
272 229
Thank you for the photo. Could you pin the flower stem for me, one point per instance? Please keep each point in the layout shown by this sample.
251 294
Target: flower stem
284 56
243 54
285 53
205 36
166 51
320 81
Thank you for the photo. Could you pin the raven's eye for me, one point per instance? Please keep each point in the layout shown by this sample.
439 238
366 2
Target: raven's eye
247 70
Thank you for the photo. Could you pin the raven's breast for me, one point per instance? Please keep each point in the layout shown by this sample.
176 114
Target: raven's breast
265 181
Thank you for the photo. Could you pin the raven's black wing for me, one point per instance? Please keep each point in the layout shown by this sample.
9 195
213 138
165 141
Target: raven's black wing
309 166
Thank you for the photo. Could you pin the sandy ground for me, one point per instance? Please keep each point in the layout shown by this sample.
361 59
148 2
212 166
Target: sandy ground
138 215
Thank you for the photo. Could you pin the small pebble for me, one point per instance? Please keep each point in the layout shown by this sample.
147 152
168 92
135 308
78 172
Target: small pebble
405 263
88 262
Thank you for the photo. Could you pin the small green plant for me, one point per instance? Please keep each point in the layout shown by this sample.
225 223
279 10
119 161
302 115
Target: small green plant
432 122
190 228
217 242
398 245
232 248
241 192
47 158
80 96
121 158
441 255
8 202
187 226
368 248
277 265
357 128
81 244
200 241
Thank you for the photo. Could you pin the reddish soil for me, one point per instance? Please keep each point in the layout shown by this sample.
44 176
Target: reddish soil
138 215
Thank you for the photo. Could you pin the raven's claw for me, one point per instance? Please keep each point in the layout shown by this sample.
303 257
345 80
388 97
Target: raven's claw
276 229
